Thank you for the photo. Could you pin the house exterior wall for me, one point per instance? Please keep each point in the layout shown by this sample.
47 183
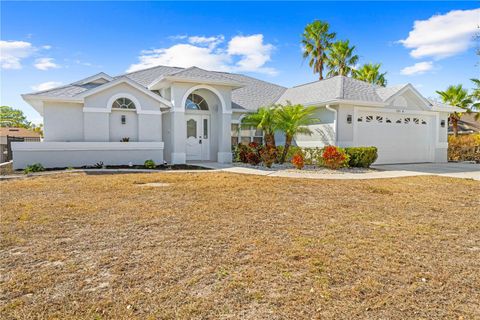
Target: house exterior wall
63 121
323 132
119 130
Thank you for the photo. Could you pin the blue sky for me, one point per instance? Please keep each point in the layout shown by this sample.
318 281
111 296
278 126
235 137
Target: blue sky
53 43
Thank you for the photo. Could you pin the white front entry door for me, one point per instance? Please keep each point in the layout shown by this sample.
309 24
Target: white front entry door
198 137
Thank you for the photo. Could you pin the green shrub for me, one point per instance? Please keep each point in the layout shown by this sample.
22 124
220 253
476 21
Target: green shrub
36 167
293 150
361 157
149 164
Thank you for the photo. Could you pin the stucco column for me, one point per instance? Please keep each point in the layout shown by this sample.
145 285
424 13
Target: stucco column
179 136
224 140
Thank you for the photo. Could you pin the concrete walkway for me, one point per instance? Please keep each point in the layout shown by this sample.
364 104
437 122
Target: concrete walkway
455 170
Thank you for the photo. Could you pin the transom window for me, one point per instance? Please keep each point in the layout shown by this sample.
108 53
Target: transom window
123 103
196 102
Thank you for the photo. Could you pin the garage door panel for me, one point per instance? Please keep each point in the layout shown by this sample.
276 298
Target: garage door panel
400 138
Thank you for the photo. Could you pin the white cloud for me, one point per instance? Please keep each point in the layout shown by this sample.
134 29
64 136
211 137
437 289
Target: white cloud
12 53
45 64
47 47
207 41
443 36
240 54
46 85
417 68
254 53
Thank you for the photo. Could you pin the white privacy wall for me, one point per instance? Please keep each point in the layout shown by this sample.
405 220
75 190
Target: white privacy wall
78 154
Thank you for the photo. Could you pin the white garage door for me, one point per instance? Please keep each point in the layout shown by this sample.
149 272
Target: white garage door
400 138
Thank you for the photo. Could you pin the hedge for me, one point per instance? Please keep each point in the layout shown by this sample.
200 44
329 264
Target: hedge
361 157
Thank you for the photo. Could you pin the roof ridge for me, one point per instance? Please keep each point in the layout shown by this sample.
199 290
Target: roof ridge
150 68
315 81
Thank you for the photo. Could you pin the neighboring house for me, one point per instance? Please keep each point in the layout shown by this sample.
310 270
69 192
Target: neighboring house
467 124
178 115
8 134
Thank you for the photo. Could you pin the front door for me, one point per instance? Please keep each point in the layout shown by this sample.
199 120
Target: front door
198 137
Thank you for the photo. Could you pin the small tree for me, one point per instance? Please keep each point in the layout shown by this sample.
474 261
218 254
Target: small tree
10 117
293 120
456 96
263 118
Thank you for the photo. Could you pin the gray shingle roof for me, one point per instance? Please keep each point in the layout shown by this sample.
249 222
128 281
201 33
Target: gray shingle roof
147 76
253 93
334 88
386 92
201 75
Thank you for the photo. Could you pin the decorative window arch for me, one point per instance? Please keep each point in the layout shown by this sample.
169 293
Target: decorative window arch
123 103
196 102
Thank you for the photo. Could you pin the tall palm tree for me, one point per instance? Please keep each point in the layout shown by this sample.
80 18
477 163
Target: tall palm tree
456 96
316 41
370 72
292 120
475 96
341 59
263 118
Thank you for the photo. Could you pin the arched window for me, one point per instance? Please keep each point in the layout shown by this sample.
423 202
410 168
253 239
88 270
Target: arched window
196 102
123 103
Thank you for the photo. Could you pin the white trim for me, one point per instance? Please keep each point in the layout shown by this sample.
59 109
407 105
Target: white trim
426 106
207 87
149 112
335 122
85 146
342 101
99 110
397 111
127 81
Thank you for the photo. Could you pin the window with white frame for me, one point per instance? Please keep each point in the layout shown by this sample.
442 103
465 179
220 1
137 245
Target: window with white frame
246 134
123 103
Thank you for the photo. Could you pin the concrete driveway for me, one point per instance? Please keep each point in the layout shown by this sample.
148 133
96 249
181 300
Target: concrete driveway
451 169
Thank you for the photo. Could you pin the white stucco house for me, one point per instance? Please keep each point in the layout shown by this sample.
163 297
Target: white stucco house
179 115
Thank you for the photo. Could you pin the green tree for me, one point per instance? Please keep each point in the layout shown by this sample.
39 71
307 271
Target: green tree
456 96
316 40
263 118
370 72
10 117
293 120
475 96
341 59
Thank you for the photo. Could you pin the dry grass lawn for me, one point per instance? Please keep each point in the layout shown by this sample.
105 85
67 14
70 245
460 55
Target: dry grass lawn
224 246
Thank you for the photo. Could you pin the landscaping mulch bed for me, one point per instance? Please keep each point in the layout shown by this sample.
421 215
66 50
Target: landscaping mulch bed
224 246
307 169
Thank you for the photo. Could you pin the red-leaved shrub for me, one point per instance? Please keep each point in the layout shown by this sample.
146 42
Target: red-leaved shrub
334 157
298 161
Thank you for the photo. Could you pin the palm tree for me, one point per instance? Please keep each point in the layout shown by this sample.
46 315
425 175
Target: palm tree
370 72
316 41
341 59
475 96
263 118
292 120
456 96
